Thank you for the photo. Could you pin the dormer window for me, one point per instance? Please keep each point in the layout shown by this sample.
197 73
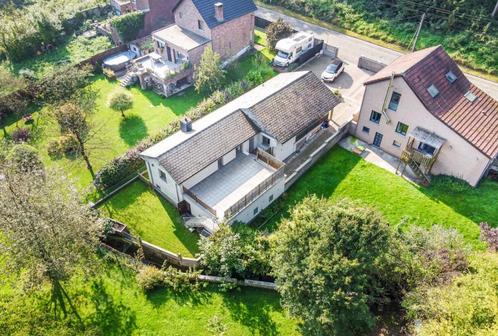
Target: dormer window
451 77
433 91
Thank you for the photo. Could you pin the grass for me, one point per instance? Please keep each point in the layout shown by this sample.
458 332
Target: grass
341 174
113 304
71 51
152 218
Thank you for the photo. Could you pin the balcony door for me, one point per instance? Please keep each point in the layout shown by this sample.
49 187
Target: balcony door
378 139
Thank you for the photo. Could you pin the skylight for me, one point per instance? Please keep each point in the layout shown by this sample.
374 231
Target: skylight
451 77
470 96
433 91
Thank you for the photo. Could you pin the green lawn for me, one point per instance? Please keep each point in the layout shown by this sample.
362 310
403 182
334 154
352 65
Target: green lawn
123 309
152 218
341 174
71 51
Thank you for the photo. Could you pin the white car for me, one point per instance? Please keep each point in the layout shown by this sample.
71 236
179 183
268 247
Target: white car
333 70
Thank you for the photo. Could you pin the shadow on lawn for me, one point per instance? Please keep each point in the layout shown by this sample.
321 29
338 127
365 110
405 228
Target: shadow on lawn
132 129
179 104
253 311
160 296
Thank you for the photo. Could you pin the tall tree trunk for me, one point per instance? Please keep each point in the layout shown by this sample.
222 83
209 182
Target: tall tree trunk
122 113
84 155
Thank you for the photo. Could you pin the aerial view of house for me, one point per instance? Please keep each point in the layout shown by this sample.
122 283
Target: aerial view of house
241 167
423 109
229 165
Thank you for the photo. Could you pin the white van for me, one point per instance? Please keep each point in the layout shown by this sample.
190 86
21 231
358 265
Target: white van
289 49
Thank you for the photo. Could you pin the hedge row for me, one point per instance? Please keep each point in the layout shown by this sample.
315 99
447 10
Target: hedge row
129 25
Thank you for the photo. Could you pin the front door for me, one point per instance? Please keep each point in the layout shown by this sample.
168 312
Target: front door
377 139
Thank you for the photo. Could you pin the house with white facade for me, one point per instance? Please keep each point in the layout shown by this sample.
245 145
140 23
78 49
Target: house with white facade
229 165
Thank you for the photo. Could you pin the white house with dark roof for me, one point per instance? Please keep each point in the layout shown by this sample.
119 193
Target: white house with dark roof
229 165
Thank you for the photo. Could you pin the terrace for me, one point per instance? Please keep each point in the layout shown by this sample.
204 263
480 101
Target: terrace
237 184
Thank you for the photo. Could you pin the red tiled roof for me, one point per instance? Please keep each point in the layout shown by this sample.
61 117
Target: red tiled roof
477 121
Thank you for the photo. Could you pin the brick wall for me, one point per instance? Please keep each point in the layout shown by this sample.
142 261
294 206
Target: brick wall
159 15
186 16
231 37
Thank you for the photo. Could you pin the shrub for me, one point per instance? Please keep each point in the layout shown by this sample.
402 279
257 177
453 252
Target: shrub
54 148
180 281
69 144
63 83
276 31
489 235
209 76
128 25
25 158
120 101
21 134
109 73
150 278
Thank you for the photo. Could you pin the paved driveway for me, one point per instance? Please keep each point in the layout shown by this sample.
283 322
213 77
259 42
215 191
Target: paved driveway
349 83
351 48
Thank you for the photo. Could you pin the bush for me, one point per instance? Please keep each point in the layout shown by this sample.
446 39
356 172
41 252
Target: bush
54 149
209 76
21 134
150 278
276 31
490 236
25 159
128 25
69 144
63 83
109 73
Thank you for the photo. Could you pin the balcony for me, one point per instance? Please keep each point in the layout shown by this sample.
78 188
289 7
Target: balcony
236 185
160 68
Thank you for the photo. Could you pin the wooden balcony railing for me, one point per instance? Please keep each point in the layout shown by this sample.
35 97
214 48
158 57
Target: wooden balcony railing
423 159
269 159
198 200
269 182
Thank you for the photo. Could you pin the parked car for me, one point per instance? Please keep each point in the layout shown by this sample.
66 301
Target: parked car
333 70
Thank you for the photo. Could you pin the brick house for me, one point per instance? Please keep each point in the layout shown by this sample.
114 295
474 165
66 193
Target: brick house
422 109
228 27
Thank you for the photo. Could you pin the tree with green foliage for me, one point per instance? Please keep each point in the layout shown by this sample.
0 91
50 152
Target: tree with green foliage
209 76
72 120
236 251
276 31
326 260
468 305
120 101
63 83
47 234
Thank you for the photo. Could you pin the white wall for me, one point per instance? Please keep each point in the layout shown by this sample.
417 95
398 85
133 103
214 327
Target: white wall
457 157
246 215
229 157
196 209
245 147
283 151
168 187
203 174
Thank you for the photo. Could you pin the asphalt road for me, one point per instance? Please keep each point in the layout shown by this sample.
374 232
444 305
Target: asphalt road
351 48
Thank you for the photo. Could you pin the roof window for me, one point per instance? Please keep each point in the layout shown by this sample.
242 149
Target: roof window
451 77
433 91
470 96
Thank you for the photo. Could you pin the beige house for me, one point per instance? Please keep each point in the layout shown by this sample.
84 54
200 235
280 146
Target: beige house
422 109
227 27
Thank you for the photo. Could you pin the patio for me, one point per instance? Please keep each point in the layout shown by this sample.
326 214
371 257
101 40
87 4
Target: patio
232 182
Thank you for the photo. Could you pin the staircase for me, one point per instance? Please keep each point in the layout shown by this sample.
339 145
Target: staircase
416 170
126 80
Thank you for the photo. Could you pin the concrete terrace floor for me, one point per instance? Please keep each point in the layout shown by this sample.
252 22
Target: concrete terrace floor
233 181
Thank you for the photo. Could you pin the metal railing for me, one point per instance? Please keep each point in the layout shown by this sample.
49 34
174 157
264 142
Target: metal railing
198 200
254 193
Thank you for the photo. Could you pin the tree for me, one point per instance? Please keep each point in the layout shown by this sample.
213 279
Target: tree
120 101
209 76
326 259
72 120
47 233
276 31
62 84
236 251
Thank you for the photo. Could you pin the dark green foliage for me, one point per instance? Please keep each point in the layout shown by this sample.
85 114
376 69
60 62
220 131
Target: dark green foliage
276 31
128 25
236 251
150 278
464 28
63 83
326 260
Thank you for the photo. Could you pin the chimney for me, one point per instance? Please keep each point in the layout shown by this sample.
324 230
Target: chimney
218 11
186 125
